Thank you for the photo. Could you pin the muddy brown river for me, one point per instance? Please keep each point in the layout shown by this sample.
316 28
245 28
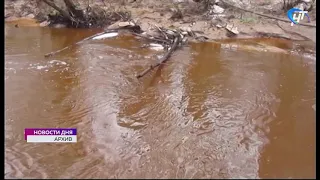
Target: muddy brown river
229 109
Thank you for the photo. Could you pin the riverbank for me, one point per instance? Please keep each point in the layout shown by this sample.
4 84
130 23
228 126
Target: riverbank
214 21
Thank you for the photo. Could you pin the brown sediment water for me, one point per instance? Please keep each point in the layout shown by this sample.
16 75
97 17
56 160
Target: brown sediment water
215 110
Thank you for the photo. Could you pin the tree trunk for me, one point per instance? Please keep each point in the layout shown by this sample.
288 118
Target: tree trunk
62 12
72 9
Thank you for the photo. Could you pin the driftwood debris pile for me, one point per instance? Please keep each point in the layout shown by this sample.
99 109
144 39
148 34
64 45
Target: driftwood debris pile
170 39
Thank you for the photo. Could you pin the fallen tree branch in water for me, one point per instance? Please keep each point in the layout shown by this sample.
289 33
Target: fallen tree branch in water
163 59
72 45
152 38
171 39
105 32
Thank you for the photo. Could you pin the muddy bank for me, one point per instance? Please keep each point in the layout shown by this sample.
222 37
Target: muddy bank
214 19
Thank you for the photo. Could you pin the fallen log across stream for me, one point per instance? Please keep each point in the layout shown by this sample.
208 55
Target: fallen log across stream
72 45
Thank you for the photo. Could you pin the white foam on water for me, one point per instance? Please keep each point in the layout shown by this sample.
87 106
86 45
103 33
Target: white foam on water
157 47
11 69
41 67
107 35
57 62
48 65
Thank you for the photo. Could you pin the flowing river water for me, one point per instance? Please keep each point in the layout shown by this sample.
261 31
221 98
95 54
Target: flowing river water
214 110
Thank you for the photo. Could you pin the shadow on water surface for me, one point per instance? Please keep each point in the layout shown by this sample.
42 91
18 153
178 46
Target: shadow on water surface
209 112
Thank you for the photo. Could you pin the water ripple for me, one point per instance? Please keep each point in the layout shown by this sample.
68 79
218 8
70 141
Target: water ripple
209 112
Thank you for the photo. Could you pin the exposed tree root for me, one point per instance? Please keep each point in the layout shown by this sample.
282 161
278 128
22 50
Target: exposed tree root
94 16
294 33
273 35
264 15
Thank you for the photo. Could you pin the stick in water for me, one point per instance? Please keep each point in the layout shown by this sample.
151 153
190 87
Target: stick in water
70 46
162 60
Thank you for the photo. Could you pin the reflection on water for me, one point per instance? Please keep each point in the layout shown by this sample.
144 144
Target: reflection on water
210 112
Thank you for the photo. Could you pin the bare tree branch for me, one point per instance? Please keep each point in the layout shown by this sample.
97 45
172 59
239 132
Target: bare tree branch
163 59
